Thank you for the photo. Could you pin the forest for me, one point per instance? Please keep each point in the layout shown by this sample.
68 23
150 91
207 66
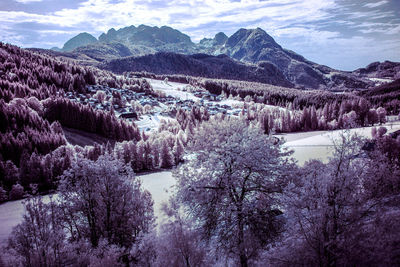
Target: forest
240 198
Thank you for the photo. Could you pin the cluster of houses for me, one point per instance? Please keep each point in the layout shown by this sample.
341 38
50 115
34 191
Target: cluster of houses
161 105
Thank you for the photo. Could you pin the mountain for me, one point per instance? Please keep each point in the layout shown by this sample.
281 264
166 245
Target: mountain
219 39
201 65
385 69
81 39
386 95
153 38
253 46
100 51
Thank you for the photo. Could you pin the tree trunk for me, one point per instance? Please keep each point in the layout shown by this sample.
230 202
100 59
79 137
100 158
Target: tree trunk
242 250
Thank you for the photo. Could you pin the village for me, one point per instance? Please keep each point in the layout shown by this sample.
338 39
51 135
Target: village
146 110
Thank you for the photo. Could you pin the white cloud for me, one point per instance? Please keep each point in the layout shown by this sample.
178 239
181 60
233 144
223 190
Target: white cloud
101 15
27 1
312 36
373 5
394 30
313 28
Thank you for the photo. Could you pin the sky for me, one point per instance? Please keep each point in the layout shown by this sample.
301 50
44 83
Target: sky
343 34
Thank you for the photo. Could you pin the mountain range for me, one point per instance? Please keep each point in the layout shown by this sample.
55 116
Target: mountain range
252 54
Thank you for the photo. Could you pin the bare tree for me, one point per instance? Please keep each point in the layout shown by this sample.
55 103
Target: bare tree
230 186
39 239
333 219
103 200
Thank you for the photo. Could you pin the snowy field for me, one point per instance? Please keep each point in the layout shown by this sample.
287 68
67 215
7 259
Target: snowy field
151 122
10 215
158 184
172 89
319 144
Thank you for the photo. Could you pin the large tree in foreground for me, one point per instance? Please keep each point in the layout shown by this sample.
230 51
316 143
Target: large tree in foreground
343 213
101 217
231 183
102 199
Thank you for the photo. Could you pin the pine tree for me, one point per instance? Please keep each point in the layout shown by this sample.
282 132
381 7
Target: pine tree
166 160
178 151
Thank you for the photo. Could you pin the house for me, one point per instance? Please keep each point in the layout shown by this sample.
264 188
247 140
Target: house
129 115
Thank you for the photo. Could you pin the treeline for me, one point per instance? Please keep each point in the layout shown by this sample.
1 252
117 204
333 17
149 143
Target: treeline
332 116
34 173
25 73
85 118
23 129
274 95
385 95
32 151
200 65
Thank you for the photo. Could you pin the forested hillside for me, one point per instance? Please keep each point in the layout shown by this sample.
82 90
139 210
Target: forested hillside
200 65
240 198
33 111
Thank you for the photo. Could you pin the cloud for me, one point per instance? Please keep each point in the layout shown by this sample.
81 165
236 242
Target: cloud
100 15
394 30
373 5
295 24
28 1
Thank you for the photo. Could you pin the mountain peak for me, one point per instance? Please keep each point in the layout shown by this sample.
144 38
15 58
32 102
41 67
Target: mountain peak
220 38
145 35
81 39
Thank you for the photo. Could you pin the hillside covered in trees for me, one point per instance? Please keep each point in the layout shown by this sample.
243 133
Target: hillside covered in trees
240 197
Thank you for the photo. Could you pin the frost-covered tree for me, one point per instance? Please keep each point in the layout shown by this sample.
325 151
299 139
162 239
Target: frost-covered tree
39 238
381 114
100 96
332 220
230 186
17 192
178 151
103 200
166 160
178 243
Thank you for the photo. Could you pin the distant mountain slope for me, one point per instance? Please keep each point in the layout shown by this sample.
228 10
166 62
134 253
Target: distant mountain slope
102 52
246 45
81 39
385 69
388 88
386 95
202 65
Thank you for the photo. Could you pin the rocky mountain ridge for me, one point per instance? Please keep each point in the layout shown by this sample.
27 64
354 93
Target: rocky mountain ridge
250 46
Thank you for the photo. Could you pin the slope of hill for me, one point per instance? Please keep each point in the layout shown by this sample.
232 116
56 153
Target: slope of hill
385 69
386 95
255 45
102 52
33 109
81 39
200 65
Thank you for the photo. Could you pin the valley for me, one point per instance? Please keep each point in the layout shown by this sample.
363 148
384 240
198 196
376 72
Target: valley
227 151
